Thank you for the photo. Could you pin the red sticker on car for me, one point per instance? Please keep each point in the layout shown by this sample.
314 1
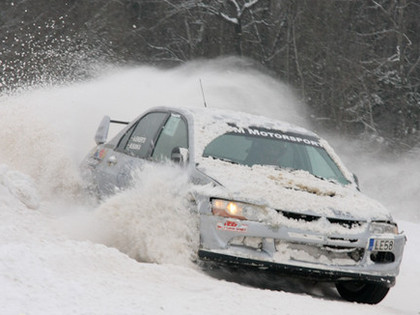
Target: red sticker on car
232 226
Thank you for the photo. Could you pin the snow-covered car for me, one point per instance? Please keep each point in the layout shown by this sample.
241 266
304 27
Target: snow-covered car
281 198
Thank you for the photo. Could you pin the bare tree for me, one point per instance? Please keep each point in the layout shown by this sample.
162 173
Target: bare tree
355 63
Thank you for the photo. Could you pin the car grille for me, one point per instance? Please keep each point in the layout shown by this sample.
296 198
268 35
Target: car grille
337 250
309 218
325 254
334 250
286 251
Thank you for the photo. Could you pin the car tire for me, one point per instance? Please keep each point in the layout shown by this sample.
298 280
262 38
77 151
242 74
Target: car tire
361 292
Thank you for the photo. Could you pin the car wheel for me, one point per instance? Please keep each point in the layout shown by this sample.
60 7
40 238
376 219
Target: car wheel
361 292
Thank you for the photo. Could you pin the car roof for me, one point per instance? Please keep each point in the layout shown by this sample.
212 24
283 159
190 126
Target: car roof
206 116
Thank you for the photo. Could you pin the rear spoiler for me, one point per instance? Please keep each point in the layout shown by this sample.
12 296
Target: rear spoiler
103 128
119 122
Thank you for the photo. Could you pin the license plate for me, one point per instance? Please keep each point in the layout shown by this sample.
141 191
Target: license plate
381 245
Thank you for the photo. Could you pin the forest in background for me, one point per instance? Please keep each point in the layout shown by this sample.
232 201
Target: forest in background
355 63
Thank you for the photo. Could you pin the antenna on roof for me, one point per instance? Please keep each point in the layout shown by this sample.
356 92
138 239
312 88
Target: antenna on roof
202 93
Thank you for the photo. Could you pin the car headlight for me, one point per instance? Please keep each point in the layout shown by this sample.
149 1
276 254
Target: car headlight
237 210
383 228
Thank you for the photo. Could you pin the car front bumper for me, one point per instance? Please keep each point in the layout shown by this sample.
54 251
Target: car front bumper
299 252
298 271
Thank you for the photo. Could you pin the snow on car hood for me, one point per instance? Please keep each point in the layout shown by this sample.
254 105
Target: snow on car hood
295 191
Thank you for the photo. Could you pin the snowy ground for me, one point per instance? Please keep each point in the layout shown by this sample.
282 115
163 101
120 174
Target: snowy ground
62 253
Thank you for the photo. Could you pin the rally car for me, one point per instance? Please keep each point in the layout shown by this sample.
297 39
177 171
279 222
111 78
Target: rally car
281 200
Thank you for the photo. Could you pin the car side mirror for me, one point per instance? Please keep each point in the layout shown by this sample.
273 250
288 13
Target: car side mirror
102 131
179 155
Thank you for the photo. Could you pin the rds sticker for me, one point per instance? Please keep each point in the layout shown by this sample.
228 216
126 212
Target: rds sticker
232 226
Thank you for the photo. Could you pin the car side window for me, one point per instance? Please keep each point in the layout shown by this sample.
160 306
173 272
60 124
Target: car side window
123 141
174 134
139 141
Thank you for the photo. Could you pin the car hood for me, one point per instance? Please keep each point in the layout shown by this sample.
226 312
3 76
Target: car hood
295 191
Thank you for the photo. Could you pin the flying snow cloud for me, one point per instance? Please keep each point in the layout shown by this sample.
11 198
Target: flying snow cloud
153 221
47 131
53 235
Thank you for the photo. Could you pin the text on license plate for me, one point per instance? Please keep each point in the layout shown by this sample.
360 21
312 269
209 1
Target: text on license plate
381 245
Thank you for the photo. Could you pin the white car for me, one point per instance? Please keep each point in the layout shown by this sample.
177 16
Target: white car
282 199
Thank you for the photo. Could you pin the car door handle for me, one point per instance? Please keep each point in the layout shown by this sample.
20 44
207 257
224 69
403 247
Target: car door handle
112 160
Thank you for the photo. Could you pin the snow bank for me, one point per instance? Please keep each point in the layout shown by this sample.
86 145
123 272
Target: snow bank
16 186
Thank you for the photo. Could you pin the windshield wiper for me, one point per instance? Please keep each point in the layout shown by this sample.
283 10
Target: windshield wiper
222 159
288 169
291 170
330 180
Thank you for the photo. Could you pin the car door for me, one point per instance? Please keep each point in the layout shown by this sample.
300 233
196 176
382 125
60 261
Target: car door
173 135
131 151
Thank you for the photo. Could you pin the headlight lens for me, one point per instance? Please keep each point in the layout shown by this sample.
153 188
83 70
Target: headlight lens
383 228
237 210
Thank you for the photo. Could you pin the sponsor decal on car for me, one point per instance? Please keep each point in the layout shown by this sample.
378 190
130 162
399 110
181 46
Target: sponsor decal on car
275 134
136 142
100 154
233 226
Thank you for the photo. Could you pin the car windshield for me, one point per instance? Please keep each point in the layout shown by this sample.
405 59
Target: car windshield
293 152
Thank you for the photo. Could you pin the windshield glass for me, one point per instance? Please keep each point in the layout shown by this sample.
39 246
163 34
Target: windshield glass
256 147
